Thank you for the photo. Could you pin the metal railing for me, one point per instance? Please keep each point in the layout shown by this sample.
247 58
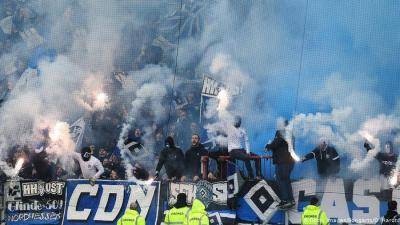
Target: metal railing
224 160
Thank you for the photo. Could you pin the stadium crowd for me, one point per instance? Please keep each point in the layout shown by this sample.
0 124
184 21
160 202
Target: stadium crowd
175 144
25 41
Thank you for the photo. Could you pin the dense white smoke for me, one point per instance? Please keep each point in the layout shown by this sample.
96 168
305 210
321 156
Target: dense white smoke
269 59
235 51
311 127
147 108
45 97
60 139
222 109
252 46
86 38
92 96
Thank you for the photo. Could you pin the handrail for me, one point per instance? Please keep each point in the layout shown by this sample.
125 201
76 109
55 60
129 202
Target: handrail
205 159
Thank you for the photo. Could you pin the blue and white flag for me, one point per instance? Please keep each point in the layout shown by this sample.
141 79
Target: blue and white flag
106 201
77 129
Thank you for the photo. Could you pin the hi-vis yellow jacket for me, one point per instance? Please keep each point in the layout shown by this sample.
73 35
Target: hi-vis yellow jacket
131 217
313 215
177 216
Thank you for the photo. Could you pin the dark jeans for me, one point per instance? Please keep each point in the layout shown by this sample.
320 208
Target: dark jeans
174 172
282 173
240 154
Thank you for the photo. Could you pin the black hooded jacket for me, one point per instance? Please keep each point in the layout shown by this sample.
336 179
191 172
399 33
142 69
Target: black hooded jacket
390 218
193 159
387 161
44 169
280 150
172 158
328 160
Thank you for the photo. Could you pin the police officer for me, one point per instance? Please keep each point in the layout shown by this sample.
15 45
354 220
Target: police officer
198 215
178 215
131 216
313 215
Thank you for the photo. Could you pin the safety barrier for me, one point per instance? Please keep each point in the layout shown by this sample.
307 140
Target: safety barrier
224 160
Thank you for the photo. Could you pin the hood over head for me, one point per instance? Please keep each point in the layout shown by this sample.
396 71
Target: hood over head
198 206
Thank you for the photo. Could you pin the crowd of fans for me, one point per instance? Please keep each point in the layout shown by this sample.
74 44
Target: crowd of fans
24 41
37 164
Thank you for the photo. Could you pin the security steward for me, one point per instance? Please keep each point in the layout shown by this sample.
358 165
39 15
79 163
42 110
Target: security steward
198 214
313 215
131 216
179 213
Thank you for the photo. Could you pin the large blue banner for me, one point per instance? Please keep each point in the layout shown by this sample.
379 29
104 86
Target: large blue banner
106 201
362 201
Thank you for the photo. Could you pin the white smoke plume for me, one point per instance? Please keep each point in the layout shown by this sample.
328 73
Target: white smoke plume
252 45
224 107
86 37
92 96
311 127
147 108
60 139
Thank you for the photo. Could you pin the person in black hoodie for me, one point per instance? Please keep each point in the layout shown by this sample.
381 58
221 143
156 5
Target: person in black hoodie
387 163
284 164
328 160
391 217
172 158
193 158
387 159
43 168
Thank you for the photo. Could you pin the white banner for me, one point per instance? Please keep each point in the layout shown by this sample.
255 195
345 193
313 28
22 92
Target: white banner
77 129
212 87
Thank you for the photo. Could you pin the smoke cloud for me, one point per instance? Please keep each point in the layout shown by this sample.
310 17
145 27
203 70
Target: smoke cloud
346 92
87 39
